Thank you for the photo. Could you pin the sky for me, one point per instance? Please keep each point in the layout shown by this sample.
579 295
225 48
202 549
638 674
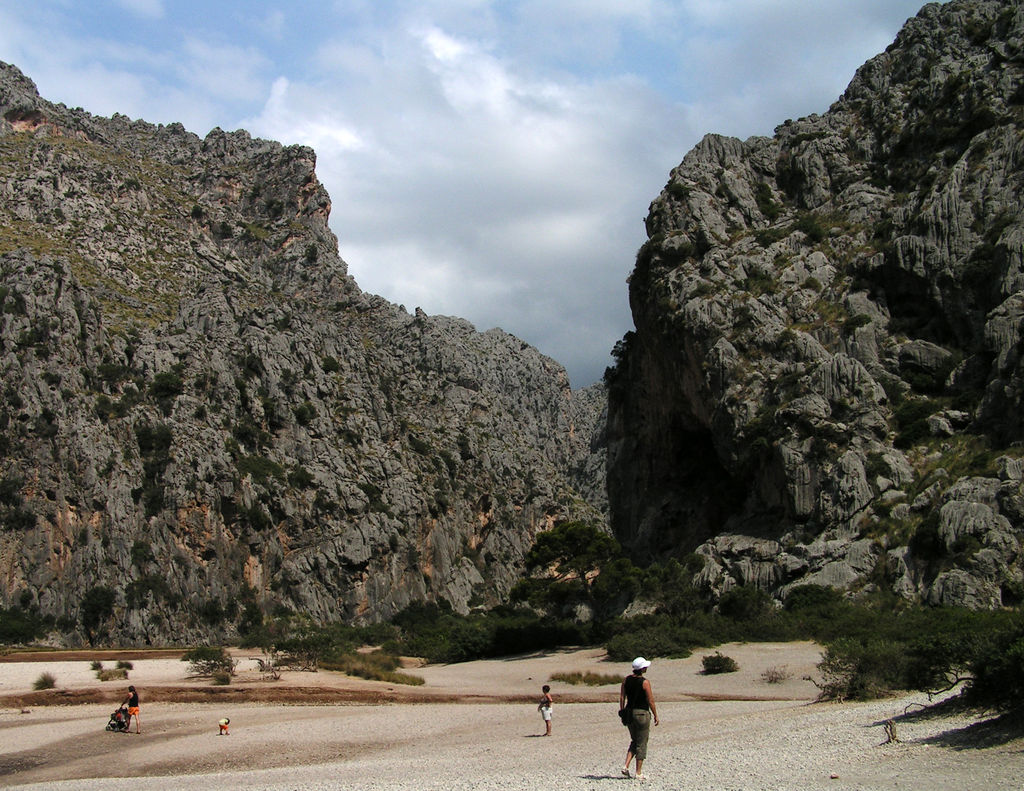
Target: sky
488 159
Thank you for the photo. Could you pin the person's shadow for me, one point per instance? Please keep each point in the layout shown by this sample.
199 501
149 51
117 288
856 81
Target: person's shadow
604 777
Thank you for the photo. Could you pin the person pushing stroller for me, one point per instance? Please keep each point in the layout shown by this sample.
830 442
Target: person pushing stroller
132 702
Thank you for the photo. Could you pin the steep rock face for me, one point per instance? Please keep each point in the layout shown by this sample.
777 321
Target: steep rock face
825 380
204 417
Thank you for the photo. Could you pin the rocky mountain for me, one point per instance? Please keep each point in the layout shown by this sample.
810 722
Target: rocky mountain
205 419
825 383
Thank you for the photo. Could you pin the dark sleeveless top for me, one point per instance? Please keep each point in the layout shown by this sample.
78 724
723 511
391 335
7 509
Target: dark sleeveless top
636 698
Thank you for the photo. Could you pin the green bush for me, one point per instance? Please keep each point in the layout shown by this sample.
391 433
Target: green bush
300 477
855 322
261 469
307 648
997 669
766 237
205 660
652 637
304 413
765 202
718 663
137 592
45 681
437 634
813 598
165 388
814 225
912 421
104 407
744 603
142 554
154 448
211 611
862 669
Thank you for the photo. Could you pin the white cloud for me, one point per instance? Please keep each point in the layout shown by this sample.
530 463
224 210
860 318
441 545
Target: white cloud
288 117
750 64
475 191
486 159
223 71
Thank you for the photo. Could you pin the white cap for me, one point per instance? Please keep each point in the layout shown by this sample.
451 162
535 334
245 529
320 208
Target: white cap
640 663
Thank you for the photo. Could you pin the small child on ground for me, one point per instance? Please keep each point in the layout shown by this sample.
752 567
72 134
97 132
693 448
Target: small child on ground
545 708
224 726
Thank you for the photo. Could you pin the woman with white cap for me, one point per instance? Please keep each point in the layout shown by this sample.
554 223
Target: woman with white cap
636 695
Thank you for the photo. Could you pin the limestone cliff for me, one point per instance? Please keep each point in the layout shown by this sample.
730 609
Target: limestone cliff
826 377
204 417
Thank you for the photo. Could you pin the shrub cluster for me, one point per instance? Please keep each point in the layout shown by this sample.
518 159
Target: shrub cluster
437 634
875 650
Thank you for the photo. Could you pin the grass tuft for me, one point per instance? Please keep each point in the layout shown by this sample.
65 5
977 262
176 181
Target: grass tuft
588 678
776 675
376 666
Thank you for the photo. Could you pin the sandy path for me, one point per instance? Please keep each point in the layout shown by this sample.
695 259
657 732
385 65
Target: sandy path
784 743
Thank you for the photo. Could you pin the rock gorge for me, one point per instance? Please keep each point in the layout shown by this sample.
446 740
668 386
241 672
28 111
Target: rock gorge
205 418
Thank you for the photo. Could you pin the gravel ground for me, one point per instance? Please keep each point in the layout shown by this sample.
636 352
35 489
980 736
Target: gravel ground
776 739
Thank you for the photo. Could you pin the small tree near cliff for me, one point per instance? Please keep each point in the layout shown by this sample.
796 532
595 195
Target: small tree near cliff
577 563
208 660
572 550
97 607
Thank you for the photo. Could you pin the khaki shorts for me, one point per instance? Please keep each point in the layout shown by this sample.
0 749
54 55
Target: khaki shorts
639 730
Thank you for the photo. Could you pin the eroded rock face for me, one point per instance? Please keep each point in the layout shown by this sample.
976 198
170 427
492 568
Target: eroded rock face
826 367
205 415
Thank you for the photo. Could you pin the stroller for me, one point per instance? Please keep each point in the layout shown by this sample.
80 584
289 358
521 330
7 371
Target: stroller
119 720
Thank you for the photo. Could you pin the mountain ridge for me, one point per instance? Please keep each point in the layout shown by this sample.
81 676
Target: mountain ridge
207 421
